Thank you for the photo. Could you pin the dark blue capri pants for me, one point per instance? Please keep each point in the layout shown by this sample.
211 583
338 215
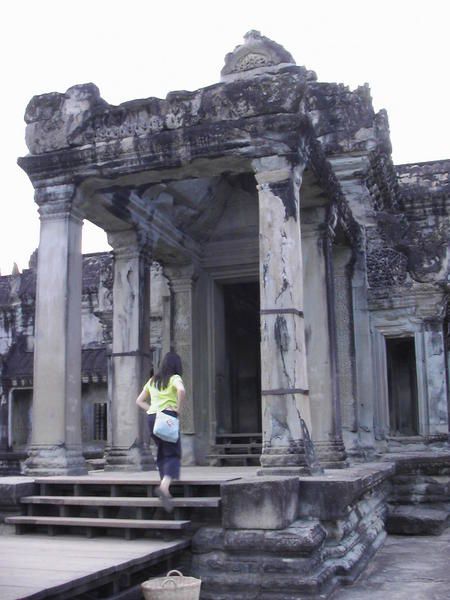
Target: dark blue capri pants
168 457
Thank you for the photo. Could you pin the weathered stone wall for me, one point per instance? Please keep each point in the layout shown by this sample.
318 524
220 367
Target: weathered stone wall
286 538
175 171
419 502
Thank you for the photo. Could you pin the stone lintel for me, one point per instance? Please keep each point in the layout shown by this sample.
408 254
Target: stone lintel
66 122
226 148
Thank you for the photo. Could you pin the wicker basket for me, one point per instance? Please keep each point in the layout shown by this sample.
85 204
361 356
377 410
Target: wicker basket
172 588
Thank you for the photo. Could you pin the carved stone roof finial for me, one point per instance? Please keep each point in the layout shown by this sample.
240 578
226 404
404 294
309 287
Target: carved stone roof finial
258 54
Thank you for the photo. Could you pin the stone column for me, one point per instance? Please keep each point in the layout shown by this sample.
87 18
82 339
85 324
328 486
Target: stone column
321 339
435 379
364 364
130 358
56 430
342 270
284 384
182 281
4 413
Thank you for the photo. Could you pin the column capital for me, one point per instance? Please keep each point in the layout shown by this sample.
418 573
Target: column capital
433 323
130 243
181 278
276 169
57 202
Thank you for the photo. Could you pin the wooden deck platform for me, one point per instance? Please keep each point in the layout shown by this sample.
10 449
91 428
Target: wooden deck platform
37 567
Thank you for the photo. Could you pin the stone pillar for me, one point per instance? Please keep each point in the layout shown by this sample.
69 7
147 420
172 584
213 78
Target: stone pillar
435 379
4 413
364 365
284 384
130 358
342 270
321 339
56 430
182 281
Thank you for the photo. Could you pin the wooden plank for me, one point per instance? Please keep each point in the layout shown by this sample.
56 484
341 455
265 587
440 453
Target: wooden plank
89 522
205 502
39 567
100 481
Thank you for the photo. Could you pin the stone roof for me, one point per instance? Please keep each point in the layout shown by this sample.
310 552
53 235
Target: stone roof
18 364
431 177
93 264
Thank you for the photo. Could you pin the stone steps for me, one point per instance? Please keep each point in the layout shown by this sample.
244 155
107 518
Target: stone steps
232 458
417 520
114 505
209 502
84 522
124 487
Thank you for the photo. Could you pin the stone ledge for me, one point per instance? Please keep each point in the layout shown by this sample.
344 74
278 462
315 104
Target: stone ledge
329 496
301 538
416 520
259 503
427 462
12 489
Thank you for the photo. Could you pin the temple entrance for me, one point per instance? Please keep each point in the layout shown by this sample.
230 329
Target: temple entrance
238 362
402 385
238 436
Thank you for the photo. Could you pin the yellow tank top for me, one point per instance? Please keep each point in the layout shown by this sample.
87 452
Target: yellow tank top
164 398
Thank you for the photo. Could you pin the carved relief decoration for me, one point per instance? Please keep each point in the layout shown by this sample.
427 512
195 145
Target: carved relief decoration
257 51
252 60
386 267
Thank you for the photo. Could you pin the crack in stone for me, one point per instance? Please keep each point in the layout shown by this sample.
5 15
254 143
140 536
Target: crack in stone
282 340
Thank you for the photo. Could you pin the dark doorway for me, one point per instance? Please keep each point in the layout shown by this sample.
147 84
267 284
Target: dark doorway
21 418
243 362
402 385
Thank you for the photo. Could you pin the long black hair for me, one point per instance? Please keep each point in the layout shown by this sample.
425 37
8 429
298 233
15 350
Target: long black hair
171 365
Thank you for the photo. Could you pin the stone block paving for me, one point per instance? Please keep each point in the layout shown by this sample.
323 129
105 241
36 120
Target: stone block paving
406 568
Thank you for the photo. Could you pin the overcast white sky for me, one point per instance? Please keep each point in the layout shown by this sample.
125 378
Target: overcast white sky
140 48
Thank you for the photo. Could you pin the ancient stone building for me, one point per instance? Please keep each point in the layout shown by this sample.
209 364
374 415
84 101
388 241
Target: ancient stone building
302 277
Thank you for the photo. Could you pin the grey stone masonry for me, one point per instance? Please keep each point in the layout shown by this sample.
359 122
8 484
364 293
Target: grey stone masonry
284 383
56 439
131 357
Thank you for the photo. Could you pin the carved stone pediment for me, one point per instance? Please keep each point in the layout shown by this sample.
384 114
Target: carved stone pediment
257 54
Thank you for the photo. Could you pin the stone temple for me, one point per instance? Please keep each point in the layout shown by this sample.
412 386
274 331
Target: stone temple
260 229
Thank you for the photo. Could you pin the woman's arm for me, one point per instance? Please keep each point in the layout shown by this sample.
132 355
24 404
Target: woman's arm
143 400
181 394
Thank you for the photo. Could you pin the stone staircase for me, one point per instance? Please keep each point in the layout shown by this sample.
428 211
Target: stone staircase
236 449
116 507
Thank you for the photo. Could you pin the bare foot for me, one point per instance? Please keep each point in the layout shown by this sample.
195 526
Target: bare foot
166 499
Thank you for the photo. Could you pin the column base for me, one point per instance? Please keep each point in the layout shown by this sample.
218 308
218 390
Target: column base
286 471
331 454
129 459
188 449
284 460
48 460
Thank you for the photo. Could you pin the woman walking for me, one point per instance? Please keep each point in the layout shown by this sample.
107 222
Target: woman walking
165 392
